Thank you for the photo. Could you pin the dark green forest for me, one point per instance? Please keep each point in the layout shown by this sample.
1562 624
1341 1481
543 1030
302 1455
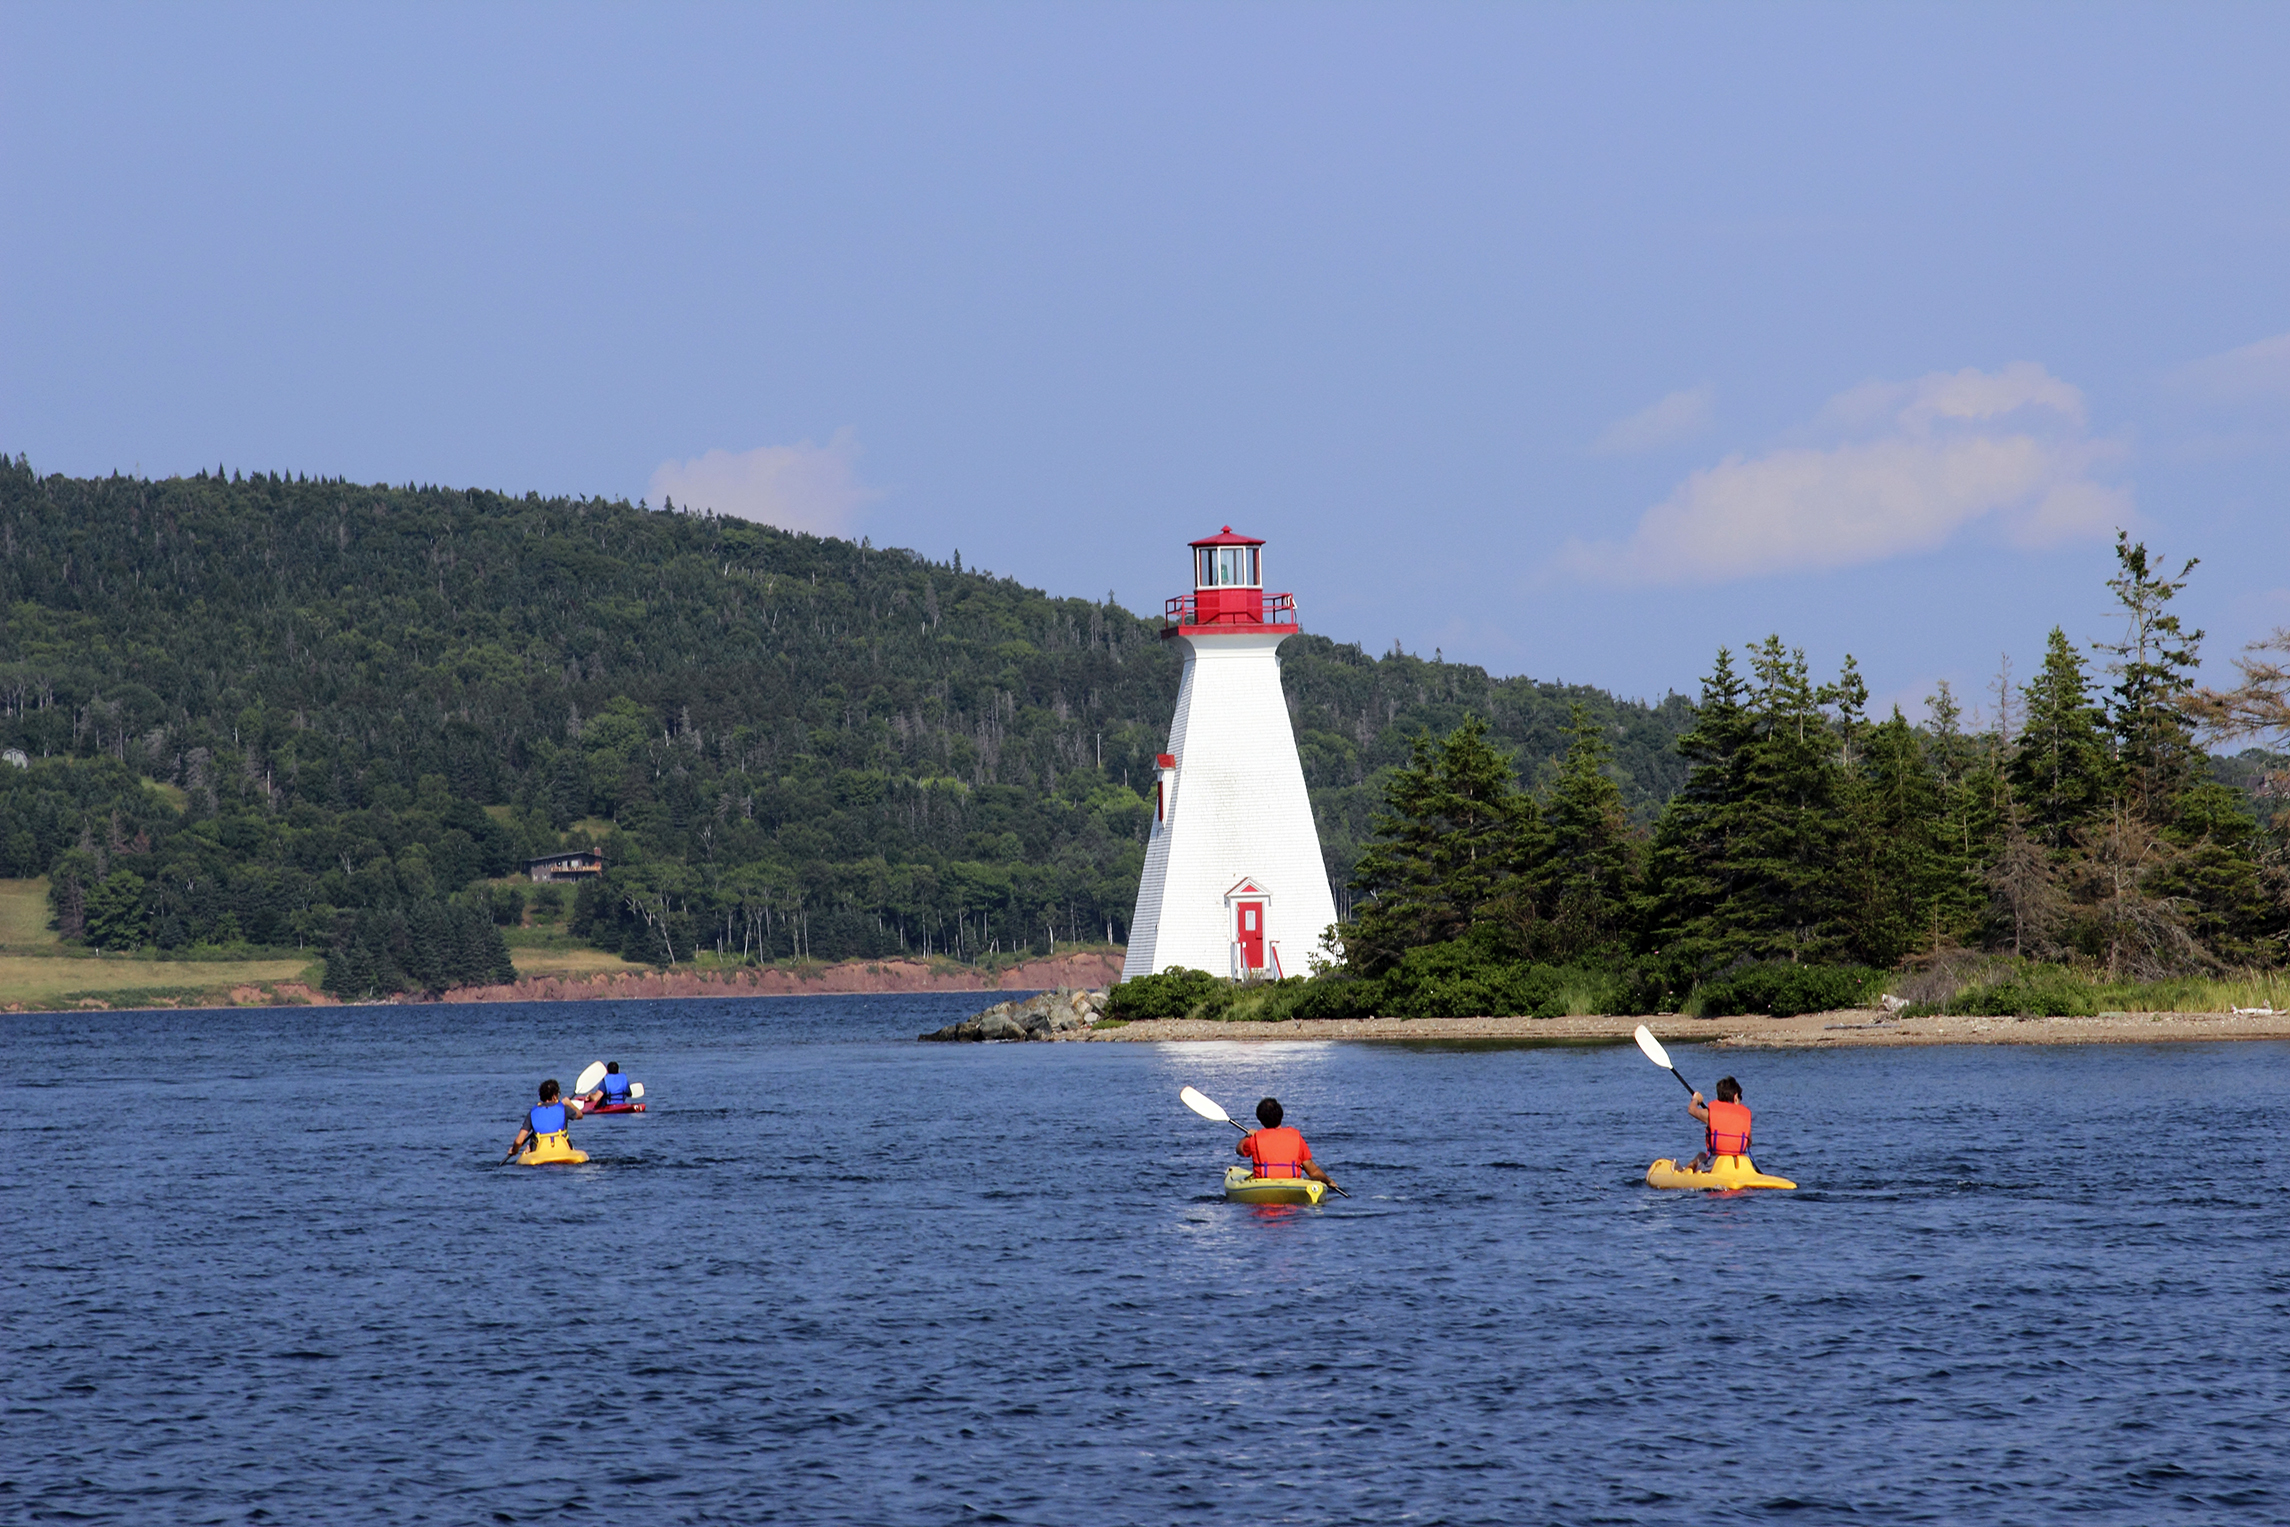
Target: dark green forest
269 711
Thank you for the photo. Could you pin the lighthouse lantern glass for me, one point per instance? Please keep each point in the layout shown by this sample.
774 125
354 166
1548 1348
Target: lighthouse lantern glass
1226 567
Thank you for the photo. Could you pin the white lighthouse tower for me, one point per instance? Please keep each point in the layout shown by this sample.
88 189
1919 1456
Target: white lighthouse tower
1234 884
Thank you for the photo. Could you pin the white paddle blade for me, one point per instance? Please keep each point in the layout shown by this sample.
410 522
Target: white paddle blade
636 1089
1203 1106
1653 1047
590 1080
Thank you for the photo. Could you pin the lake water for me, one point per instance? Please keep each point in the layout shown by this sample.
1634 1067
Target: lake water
262 1266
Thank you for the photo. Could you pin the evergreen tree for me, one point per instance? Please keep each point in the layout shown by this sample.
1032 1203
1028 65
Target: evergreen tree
1586 859
568 788
1972 803
1447 852
2234 908
2154 668
1692 887
1745 858
1792 785
1894 871
2060 771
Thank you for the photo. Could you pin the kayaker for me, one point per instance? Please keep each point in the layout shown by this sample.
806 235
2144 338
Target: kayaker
1726 1122
1277 1151
613 1090
549 1117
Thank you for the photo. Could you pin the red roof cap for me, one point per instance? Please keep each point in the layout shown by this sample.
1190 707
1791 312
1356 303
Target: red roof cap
1225 537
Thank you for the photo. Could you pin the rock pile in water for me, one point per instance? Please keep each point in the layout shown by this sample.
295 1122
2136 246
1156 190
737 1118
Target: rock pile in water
1064 1011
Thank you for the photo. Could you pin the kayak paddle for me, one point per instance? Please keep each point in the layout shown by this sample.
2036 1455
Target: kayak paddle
636 1089
1658 1055
590 1080
1209 1108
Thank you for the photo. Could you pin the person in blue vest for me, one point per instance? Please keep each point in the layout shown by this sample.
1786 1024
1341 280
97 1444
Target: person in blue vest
551 1116
614 1090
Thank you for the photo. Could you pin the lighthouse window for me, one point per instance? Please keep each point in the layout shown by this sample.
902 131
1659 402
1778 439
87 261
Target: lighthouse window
1228 567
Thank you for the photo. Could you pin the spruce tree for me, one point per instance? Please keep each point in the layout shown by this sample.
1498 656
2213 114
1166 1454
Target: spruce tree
1893 870
1792 777
2233 907
1448 848
2154 668
1691 883
2060 772
1586 857
1745 860
1972 805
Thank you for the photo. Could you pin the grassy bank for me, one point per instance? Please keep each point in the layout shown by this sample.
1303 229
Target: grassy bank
547 952
2000 986
39 971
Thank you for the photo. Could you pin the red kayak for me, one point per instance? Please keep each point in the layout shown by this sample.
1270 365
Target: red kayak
617 1108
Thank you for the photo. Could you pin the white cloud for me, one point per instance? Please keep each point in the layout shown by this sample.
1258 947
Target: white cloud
796 487
1680 416
2261 370
1922 461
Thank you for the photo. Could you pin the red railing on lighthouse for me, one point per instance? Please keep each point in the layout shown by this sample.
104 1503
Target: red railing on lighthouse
1228 609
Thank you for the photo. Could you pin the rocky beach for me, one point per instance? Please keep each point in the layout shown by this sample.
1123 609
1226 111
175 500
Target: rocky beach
1075 1017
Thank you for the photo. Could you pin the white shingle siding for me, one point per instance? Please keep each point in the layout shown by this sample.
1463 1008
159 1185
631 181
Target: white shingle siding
1234 807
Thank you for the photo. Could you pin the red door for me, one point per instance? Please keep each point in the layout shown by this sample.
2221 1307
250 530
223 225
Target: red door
1250 933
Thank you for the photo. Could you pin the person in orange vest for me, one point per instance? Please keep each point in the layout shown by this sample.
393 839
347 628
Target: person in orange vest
1276 1151
1726 1120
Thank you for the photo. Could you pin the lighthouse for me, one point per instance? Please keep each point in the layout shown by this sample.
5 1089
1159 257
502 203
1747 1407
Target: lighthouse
1233 882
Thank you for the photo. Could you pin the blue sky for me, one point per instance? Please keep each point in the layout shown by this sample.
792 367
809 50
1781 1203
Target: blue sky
1573 341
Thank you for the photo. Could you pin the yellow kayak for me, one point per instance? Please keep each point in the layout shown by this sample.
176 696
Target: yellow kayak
1241 1188
549 1150
1725 1172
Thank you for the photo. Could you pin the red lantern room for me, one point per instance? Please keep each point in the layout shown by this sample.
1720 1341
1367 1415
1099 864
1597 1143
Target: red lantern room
1228 591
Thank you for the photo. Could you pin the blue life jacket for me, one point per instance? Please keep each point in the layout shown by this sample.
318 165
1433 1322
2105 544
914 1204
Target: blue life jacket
615 1087
547 1119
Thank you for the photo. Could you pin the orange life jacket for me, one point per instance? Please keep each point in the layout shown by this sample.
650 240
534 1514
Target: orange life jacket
1277 1152
1729 1129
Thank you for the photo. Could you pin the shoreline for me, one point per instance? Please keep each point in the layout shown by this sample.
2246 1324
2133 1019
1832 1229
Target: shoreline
845 978
1852 1028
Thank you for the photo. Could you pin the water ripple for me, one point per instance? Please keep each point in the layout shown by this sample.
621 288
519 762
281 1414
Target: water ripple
262 1268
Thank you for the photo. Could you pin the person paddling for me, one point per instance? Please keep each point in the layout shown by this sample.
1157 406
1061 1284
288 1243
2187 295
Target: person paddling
1277 1151
1726 1122
612 1091
549 1117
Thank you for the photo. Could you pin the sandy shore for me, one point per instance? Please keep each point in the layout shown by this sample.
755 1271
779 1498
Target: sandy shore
1806 1031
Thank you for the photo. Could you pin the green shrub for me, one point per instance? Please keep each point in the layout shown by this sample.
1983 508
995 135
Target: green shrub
2027 990
1174 993
1333 996
1783 989
1464 979
2026 999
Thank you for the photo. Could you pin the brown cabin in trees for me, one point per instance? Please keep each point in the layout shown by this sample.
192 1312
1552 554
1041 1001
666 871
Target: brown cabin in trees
579 864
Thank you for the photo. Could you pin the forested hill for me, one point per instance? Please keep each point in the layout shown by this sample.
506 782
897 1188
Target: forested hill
370 698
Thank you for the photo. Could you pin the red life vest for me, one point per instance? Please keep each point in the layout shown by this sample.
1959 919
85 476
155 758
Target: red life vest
1729 1129
1277 1152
